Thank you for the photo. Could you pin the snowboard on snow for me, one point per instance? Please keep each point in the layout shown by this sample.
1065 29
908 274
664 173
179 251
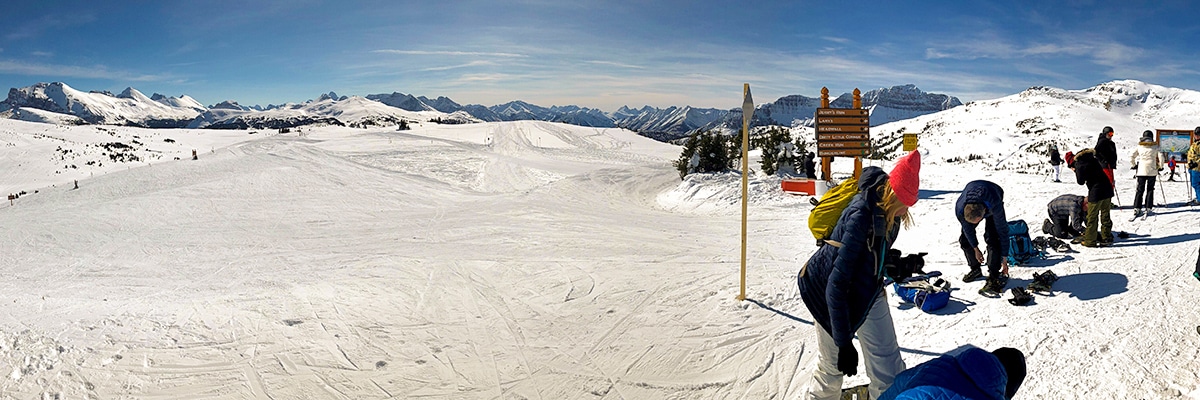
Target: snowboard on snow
855 393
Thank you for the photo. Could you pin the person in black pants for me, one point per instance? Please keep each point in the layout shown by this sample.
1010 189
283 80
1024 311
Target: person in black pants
982 200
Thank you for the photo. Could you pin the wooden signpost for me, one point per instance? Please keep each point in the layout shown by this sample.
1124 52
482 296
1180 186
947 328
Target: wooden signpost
842 132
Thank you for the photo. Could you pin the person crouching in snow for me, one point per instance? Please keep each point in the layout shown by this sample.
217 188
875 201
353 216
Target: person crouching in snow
970 373
1100 192
842 283
1148 160
1067 213
984 200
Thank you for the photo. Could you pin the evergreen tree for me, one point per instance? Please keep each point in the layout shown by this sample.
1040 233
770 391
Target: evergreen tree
777 151
689 149
704 152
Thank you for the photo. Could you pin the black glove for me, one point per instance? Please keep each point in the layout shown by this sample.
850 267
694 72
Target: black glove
848 360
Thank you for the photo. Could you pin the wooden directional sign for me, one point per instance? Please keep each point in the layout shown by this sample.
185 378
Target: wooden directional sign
843 152
843 121
843 132
821 137
842 128
864 144
843 112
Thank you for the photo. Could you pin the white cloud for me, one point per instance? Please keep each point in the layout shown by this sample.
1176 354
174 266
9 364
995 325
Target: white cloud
72 71
42 54
446 53
449 67
616 64
836 39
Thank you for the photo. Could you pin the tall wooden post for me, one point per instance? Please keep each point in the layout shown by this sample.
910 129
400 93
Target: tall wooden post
747 113
857 159
826 162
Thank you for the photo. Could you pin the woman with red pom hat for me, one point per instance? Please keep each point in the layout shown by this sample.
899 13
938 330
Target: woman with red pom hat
842 283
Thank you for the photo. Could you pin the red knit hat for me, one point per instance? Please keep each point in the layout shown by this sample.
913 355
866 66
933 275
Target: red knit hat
906 178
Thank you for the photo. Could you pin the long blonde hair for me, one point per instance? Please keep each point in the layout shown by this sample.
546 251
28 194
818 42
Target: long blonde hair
892 206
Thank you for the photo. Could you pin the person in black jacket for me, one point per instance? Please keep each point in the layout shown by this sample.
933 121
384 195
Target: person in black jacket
842 282
1056 161
1100 192
810 166
1106 154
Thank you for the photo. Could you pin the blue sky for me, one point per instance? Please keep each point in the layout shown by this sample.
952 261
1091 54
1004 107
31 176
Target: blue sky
600 54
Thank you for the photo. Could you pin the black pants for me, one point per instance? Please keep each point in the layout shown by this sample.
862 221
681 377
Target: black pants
993 241
1062 229
1145 185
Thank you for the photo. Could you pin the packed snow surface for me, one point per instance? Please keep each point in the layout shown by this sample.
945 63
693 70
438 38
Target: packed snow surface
513 260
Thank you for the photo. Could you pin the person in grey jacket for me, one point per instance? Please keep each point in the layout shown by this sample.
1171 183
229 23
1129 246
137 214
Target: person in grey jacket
1067 213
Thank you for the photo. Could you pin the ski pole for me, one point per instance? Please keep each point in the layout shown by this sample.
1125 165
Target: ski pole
1161 190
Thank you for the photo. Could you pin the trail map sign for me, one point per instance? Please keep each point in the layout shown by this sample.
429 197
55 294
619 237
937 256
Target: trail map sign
1174 142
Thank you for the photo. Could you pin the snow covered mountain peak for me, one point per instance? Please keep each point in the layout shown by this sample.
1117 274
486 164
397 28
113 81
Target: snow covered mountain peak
131 107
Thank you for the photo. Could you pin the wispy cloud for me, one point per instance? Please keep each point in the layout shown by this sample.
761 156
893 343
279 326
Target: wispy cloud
1100 51
467 65
38 26
836 39
615 64
447 53
487 77
42 54
72 71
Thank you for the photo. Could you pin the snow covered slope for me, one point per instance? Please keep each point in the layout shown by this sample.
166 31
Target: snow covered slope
43 116
530 260
1014 132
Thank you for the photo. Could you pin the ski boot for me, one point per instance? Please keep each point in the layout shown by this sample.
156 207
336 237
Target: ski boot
994 287
973 275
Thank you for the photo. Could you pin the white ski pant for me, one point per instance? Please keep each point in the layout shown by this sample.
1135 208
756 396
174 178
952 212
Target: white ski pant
880 354
1057 168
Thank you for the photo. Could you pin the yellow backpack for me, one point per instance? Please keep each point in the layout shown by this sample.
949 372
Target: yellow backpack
825 214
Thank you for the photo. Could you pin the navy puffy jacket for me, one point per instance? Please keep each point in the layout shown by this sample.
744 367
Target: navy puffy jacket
839 284
992 197
973 374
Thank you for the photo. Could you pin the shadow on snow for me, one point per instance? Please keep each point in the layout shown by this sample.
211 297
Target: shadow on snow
801 320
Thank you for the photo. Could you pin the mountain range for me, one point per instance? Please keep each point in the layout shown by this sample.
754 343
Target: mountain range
57 102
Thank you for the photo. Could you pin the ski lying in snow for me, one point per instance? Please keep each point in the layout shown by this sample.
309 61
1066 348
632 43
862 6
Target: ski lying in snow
855 393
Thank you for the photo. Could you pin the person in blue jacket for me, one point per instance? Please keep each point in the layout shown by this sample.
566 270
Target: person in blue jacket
978 201
842 283
969 374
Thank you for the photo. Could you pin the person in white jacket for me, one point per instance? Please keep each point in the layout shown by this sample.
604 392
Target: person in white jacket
1148 160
